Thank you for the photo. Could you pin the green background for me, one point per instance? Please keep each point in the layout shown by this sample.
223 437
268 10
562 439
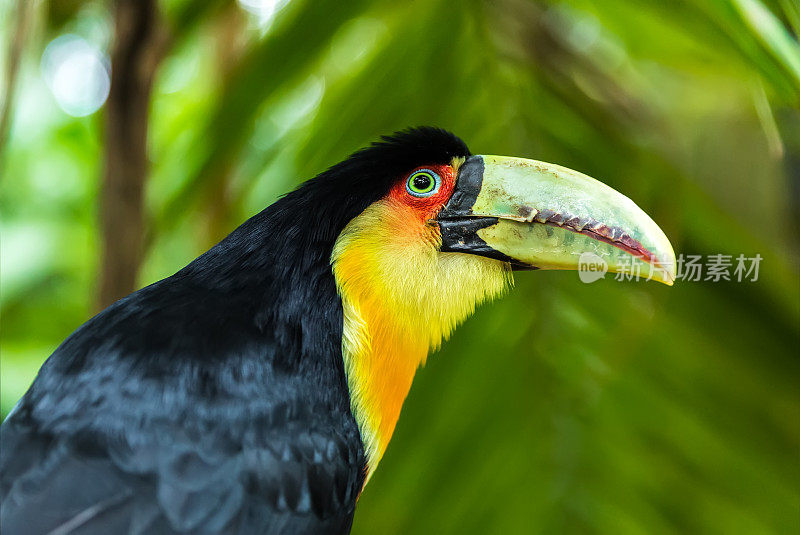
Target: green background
614 407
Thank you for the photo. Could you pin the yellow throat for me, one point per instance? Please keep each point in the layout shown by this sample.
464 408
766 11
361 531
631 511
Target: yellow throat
401 297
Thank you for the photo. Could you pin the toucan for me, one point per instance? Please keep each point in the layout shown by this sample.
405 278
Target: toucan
256 389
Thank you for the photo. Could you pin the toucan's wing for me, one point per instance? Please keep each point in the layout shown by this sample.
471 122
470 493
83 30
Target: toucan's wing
171 479
180 409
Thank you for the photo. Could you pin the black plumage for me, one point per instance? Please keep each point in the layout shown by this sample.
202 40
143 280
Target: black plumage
215 400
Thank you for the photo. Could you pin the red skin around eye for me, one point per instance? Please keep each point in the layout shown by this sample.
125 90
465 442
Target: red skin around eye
425 207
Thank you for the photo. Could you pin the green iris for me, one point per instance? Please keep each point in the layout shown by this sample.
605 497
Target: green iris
423 183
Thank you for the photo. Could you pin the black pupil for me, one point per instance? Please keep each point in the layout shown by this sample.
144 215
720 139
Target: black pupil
422 182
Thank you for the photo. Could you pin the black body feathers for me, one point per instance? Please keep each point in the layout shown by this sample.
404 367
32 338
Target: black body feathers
213 401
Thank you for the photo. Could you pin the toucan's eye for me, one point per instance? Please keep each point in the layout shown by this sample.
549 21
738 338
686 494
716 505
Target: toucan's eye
423 183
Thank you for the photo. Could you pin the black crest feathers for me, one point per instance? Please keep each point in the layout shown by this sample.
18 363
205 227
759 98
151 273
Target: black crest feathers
347 188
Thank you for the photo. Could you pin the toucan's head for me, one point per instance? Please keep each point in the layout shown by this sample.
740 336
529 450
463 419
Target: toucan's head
429 231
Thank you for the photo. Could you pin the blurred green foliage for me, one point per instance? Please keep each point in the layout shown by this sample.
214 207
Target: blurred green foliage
616 407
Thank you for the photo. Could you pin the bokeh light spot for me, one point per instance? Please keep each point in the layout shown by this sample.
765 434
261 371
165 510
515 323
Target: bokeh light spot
263 10
77 73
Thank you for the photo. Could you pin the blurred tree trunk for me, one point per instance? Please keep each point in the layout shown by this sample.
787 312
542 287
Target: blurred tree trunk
136 54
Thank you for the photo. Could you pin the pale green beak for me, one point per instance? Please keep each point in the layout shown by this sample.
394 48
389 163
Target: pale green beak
543 216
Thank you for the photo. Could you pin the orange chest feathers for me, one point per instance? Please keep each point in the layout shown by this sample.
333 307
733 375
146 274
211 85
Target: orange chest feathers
401 297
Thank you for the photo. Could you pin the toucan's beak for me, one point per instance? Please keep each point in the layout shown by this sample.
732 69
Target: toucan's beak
543 216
